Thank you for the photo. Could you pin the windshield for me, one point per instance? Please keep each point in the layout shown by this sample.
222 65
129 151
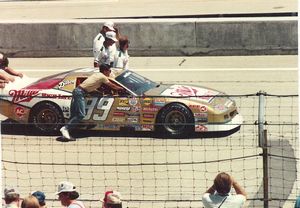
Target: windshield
136 83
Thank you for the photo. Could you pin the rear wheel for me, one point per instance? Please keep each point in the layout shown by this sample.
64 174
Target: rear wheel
175 120
47 118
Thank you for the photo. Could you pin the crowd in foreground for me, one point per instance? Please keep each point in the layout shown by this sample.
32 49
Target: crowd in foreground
67 195
217 196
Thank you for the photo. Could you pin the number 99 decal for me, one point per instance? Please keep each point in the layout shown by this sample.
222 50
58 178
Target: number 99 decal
104 105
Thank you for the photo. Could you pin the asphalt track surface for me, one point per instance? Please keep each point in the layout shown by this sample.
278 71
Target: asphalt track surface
236 76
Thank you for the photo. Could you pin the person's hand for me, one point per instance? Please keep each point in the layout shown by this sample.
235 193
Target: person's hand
10 79
20 75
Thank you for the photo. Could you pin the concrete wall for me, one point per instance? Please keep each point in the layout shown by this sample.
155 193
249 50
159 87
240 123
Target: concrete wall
181 37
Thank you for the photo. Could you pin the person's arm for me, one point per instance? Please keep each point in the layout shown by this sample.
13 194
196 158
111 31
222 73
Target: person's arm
6 79
114 86
13 72
238 189
211 190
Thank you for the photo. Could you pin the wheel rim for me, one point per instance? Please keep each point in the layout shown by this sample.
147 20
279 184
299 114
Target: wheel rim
175 121
47 119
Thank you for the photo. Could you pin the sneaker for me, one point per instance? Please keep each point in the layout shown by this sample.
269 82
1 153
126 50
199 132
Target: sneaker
65 132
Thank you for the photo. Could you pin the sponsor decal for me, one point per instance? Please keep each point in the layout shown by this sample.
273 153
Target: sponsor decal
133 119
133 101
119 114
148 109
56 96
123 108
23 95
190 91
200 115
147 120
65 83
118 119
123 102
137 127
159 102
200 128
136 109
133 113
19 111
109 126
203 108
147 115
147 101
147 127
65 109
201 120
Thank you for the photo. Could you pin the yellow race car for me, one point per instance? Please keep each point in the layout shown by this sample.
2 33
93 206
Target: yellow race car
143 105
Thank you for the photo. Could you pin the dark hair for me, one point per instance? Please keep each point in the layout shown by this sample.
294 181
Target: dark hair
11 197
123 40
114 205
4 61
73 195
223 183
104 67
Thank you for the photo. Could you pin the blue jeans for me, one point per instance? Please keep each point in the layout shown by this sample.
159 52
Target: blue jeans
77 108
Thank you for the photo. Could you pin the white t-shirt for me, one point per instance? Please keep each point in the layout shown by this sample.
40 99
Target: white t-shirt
121 60
76 204
214 200
101 54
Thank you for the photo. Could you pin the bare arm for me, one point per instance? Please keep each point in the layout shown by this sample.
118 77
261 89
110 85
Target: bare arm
6 79
238 189
13 72
211 190
114 86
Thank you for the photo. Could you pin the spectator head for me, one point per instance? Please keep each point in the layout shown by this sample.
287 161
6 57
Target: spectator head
112 199
66 193
11 195
30 202
3 60
40 197
223 183
124 43
108 26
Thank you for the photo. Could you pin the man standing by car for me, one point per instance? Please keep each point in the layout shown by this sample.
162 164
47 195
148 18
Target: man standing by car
78 105
99 40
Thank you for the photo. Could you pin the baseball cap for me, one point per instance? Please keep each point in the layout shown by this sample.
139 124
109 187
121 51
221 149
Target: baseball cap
65 186
112 197
10 191
40 196
111 35
110 25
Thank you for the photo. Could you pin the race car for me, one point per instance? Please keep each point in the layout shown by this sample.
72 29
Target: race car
174 110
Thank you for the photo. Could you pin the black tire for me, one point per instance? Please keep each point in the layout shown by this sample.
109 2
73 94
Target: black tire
47 118
175 120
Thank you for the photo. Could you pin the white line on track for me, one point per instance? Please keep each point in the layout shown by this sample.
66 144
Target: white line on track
177 69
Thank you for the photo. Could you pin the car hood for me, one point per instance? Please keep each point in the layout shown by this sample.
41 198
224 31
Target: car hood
192 91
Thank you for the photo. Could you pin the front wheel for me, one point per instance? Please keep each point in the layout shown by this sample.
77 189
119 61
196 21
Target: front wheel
46 118
175 120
